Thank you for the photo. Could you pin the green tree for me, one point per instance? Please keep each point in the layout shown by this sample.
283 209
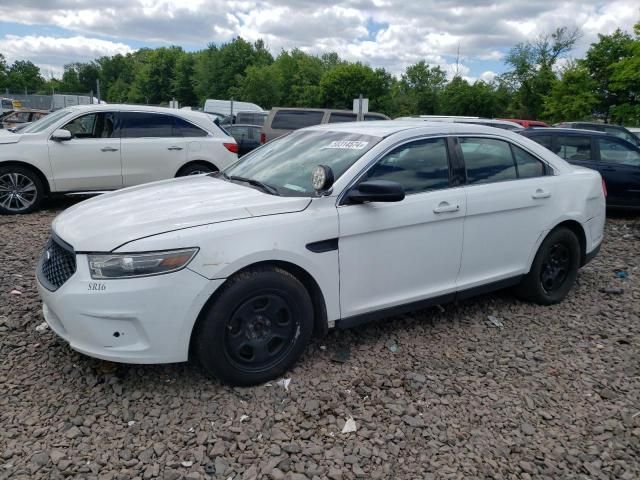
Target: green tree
625 81
345 82
153 83
261 85
4 72
600 60
423 85
573 96
532 63
183 87
24 75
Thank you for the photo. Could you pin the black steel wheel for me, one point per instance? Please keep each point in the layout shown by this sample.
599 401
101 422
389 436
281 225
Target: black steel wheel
255 327
554 269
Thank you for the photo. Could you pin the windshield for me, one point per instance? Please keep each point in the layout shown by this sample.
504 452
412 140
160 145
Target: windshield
45 122
288 162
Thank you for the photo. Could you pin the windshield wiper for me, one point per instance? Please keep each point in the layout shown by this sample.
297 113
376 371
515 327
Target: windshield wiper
256 183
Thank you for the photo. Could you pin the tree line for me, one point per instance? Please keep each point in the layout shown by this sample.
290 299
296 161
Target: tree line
540 81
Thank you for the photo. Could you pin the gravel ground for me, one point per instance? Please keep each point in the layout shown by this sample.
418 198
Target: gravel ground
441 393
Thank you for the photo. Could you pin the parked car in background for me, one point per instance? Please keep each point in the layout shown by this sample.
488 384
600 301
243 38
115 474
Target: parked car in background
223 107
22 116
333 225
284 120
617 130
247 136
526 123
487 122
617 160
95 148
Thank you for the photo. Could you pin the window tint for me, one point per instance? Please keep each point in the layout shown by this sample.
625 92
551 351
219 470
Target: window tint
528 165
544 140
487 160
92 125
342 117
621 134
252 118
574 148
615 152
417 166
182 128
239 132
373 116
295 119
138 124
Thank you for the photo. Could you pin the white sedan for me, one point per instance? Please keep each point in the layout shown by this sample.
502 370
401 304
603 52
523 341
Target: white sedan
96 148
329 226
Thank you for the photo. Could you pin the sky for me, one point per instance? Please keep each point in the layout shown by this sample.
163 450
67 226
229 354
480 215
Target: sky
382 33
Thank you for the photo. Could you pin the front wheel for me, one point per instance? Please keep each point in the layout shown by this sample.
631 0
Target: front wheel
21 190
554 269
256 328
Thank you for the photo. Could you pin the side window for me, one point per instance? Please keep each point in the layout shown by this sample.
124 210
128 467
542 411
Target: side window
544 140
138 125
487 160
614 152
336 117
528 165
417 166
295 119
182 128
93 125
574 148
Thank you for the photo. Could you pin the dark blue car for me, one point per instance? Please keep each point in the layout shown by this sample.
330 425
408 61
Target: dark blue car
617 160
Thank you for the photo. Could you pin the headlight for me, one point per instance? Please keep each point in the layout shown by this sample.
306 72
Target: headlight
127 265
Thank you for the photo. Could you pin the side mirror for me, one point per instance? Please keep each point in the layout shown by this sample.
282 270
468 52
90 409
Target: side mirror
376 191
61 135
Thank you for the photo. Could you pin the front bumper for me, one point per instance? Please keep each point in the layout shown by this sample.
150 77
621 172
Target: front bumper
138 320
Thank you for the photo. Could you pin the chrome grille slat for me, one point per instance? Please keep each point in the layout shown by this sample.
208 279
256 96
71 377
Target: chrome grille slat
56 265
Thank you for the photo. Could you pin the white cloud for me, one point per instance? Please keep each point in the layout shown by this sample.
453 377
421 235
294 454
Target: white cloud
51 53
488 76
383 33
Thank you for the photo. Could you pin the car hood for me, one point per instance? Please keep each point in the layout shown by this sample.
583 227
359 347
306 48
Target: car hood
9 137
106 222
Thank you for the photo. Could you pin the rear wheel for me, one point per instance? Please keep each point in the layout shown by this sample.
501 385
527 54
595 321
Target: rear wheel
21 190
256 328
554 270
196 169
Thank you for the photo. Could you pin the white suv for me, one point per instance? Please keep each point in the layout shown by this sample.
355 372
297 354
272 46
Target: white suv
329 226
96 148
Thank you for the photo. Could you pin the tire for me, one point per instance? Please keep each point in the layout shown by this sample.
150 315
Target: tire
21 190
554 269
196 169
255 328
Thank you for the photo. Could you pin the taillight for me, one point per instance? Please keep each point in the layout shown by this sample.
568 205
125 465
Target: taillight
232 147
604 188
263 138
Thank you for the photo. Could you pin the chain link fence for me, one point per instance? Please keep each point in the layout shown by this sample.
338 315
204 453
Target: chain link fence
52 102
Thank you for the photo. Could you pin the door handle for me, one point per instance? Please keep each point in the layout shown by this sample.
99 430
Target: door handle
445 207
540 193
174 148
108 149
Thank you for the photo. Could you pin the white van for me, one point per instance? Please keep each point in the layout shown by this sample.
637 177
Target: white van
223 107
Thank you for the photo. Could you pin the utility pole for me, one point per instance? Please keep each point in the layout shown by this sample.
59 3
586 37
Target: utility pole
98 88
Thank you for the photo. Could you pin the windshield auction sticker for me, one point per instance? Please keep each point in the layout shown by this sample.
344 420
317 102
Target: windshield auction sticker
348 144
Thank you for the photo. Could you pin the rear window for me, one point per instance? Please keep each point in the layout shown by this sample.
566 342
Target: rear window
146 125
544 140
251 118
182 128
342 117
295 119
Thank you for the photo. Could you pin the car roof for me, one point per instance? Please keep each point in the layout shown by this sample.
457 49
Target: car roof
242 125
570 131
384 128
121 107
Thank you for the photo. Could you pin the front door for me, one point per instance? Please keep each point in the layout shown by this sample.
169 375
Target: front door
509 204
90 160
402 252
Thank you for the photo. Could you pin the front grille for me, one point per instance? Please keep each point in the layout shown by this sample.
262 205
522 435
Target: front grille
57 264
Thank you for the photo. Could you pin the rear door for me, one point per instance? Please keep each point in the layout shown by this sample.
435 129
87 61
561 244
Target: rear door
152 147
510 196
620 167
91 159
